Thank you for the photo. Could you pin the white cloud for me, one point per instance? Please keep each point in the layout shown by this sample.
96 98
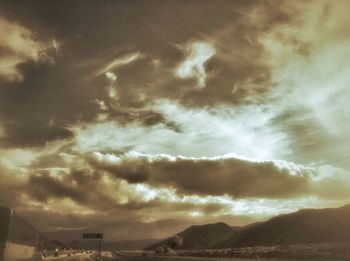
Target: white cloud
112 93
320 179
198 53
8 68
119 61
320 84
253 207
21 46
245 131
102 105
111 76
309 66
56 46
18 157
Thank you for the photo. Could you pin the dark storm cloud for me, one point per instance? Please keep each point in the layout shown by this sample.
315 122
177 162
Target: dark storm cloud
49 161
11 186
92 34
235 177
144 117
132 171
43 186
81 186
86 189
39 108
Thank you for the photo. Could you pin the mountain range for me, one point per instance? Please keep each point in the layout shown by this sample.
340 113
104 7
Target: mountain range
120 235
301 227
201 236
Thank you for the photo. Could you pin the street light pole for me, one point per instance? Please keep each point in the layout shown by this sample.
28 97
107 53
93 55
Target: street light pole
100 248
95 236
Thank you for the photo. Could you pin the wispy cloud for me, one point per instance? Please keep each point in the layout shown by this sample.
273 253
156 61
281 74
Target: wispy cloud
198 53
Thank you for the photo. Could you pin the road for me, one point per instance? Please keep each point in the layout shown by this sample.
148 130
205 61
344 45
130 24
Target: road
117 256
76 257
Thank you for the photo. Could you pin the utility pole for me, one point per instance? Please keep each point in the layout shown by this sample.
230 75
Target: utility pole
100 248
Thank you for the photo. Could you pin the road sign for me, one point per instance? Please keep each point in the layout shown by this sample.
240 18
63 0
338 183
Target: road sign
93 236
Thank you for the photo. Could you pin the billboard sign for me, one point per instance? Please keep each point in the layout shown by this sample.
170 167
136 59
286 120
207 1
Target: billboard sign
93 236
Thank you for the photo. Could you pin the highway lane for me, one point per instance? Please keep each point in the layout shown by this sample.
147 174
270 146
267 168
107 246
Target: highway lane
117 256
122 256
76 257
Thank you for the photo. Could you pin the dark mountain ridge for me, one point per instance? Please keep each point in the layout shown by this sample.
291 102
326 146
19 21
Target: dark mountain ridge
301 227
201 236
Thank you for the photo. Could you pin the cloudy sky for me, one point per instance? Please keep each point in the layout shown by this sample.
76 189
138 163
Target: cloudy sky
195 111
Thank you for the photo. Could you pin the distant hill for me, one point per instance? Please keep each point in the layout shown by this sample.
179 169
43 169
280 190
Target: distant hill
201 236
111 245
129 245
124 231
120 235
303 226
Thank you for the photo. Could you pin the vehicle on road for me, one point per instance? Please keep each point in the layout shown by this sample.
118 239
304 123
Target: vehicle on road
18 239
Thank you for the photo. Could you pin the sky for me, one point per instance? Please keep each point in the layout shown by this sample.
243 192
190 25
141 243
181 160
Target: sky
194 111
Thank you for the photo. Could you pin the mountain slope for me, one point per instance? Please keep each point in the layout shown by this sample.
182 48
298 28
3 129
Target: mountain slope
201 236
303 226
